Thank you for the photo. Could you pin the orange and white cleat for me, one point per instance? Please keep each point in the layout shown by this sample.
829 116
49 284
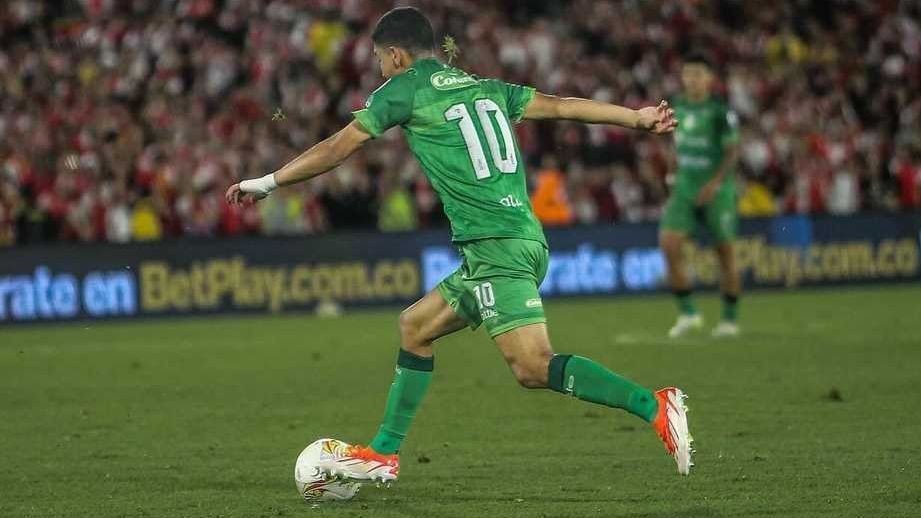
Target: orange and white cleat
361 463
671 423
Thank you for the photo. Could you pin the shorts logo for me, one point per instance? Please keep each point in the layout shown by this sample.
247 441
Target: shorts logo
533 303
570 384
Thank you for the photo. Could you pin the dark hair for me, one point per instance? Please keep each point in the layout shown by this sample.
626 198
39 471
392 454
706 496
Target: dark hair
698 58
405 27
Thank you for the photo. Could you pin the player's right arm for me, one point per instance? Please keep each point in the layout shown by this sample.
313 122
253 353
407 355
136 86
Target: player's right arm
317 160
654 119
389 106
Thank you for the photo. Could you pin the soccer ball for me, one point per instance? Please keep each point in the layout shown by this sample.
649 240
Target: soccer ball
310 480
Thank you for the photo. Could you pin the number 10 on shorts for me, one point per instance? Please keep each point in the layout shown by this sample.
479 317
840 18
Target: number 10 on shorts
484 295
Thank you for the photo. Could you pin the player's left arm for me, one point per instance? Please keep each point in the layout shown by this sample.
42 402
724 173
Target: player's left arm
320 158
654 119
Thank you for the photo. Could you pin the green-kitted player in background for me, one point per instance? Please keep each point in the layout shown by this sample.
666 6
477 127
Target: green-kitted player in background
459 127
703 195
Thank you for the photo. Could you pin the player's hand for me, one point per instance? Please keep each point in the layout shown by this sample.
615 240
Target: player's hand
657 119
236 196
707 193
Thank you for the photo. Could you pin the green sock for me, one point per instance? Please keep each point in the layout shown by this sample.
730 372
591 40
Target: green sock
410 382
685 302
591 381
730 307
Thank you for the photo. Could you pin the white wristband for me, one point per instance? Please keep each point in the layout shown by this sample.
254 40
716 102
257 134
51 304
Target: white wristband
261 186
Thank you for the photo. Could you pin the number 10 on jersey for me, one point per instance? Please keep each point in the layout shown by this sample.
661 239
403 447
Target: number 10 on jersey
506 162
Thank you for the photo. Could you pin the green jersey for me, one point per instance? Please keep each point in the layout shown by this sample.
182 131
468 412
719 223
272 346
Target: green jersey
704 130
458 126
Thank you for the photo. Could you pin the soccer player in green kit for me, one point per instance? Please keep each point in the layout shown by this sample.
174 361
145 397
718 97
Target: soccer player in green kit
459 127
704 194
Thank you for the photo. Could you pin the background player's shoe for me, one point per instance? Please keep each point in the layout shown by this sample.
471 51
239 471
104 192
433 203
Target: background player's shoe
686 324
725 329
361 463
671 423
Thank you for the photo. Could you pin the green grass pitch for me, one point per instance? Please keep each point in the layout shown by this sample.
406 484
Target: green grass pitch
811 413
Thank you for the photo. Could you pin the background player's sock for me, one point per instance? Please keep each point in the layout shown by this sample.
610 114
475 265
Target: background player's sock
591 381
685 302
410 382
730 307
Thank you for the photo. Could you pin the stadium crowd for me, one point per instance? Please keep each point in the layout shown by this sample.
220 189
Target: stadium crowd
126 119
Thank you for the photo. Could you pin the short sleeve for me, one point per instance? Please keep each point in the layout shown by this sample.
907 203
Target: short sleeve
388 106
730 127
518 98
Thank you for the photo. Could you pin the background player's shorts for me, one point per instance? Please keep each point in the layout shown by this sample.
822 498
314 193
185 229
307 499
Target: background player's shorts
497 283
719 216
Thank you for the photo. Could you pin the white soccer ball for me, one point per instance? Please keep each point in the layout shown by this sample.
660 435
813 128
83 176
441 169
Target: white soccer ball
310 480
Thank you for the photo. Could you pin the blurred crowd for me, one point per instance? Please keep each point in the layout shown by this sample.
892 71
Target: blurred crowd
126 120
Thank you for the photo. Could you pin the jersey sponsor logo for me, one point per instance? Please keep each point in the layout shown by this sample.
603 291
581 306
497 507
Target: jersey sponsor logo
510 201
452 80
533 303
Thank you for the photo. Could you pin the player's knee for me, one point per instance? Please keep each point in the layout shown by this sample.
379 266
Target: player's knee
725 253
410 331
531 372
528 378
671 247
670 244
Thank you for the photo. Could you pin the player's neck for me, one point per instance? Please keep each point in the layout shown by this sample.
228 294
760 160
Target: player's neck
697 97
412 60
420 57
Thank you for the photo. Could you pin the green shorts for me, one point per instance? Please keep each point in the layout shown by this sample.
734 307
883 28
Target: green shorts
497 283
719 216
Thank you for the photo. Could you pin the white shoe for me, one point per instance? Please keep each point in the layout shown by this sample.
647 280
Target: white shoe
360 463
671 424
725 329
685 324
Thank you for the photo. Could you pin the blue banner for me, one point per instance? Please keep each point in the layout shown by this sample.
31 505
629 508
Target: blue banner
65 282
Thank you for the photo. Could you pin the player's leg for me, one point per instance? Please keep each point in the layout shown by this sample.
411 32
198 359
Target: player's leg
678 222
722 221
502 282
528 352
529 355
513 313
504 279
672 244
421 324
